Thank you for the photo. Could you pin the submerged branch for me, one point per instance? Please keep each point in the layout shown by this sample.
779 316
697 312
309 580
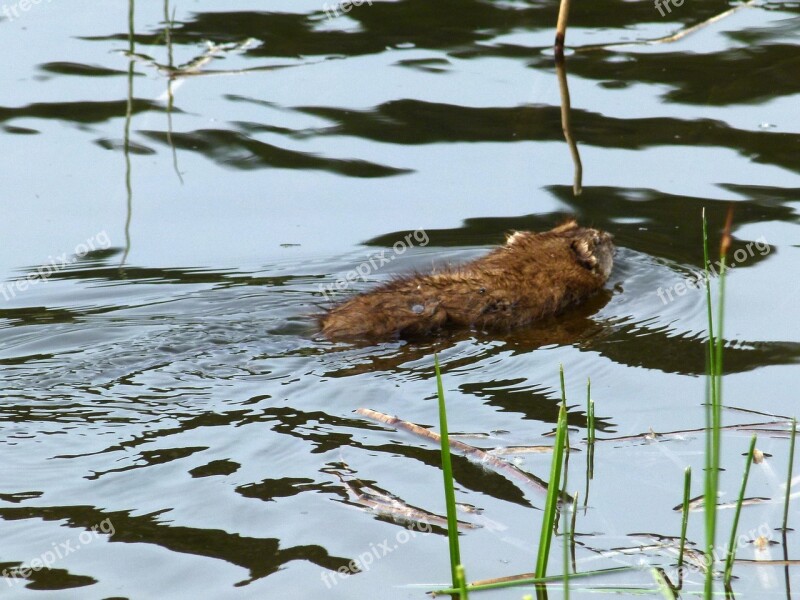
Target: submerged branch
484 458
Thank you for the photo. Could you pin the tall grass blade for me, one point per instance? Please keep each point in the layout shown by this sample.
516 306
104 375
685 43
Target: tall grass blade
572 531
714 397
785 525
589 412
710 492
664 584
553 489
462 583
590 437
565 538
687 487
789 477
710 318
732 542
447 471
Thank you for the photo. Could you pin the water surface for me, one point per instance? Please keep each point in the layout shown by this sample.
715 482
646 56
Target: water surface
177 190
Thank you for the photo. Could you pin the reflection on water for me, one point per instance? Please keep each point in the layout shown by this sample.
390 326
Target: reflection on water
172 382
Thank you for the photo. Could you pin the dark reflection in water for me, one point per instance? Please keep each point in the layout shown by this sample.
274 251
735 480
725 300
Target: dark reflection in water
410 122
238 151
751 74
626 213
78 112
261 557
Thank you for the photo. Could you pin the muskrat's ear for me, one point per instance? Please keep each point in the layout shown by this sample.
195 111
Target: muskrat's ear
513 237
584 253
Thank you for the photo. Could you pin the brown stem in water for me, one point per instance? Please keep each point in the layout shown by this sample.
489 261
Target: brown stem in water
566 126
561 28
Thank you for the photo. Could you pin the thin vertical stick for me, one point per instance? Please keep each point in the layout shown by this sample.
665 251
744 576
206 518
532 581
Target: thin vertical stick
566 126
561 28
127 134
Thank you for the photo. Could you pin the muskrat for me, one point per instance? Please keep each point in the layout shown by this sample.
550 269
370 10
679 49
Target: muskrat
532 276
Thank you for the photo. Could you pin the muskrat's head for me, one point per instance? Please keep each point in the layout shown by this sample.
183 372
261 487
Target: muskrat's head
595 250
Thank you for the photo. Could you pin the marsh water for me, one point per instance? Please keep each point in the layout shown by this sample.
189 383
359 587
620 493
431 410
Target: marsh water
182 183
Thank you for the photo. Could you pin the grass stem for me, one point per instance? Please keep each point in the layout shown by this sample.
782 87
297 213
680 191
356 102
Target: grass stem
732 543
687 487
789 477
553 488
447 471
462 582
713 397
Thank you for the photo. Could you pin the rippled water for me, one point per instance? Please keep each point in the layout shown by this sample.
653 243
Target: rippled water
185 185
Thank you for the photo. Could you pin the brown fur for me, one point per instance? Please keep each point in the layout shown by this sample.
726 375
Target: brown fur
534 275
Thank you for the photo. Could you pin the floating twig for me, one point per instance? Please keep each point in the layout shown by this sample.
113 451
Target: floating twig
679 35
384 504
478 455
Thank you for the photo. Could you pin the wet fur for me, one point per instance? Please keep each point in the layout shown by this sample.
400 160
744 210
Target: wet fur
534 275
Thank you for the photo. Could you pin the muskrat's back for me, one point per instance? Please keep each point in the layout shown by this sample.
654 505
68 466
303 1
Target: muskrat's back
534 275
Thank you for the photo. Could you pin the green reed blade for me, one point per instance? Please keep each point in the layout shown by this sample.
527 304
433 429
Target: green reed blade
709 488
590 438
447 472
565 537
713 401
732 542
553 488
664 585
572 529
462 582
789 477
709 306
687 486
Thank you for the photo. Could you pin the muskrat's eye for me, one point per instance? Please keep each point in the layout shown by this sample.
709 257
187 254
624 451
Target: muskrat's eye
417 309
482 291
